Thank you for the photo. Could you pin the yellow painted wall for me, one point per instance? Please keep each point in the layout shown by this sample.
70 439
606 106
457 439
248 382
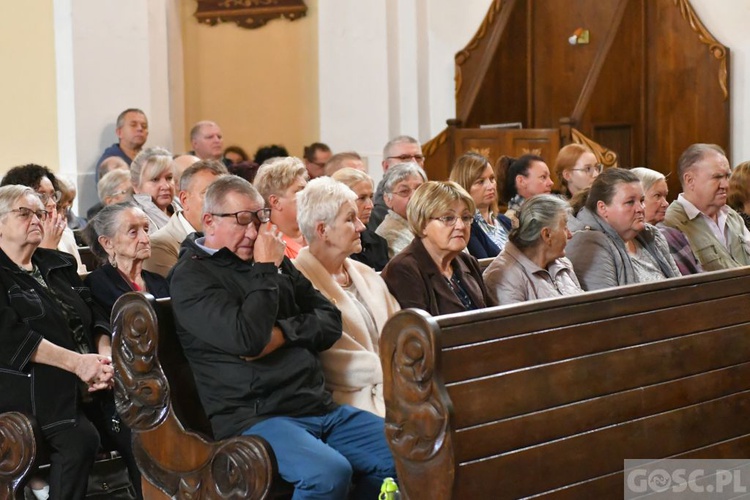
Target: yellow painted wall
260 86
28 97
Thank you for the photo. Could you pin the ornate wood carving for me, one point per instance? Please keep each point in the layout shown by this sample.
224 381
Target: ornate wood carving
180 463
716 48
248 13
418 409
605 156
18 451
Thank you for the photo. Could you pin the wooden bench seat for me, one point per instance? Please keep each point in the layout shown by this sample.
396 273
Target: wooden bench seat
156 396
550 397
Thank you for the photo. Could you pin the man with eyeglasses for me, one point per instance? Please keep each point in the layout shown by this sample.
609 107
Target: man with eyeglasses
316 155
401 149
252 326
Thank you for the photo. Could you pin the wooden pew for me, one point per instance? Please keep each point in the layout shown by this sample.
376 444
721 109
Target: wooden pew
156 396
18 453
548 398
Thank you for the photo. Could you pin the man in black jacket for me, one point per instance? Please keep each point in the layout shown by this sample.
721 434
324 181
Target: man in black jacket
252 327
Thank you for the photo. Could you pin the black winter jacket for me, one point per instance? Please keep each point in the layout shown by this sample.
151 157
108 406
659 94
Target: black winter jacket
226 308
28 314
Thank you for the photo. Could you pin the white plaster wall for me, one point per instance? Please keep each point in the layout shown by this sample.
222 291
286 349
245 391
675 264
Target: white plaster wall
103 68
727 21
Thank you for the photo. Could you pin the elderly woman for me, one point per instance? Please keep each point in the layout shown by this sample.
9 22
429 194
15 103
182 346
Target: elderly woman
374 247
399 184
118 235
328 219
433 272
278 181
56 232
523 178
489 233
739 191
533 265
55 348
576 168
152 175
655 190
616 246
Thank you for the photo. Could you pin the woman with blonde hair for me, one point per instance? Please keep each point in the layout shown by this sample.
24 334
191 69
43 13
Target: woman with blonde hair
152 177
489 233
433 272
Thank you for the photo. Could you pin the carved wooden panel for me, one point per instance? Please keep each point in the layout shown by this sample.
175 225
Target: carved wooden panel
248 13
18 451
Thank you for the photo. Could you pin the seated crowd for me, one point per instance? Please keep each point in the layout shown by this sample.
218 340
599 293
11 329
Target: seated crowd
282 283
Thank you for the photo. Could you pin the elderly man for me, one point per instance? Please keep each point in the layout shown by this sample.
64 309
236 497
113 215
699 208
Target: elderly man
716 234
401 149
252 328
207 141
347 159
132 132
165 243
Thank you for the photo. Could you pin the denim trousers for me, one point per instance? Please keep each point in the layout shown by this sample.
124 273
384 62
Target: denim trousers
321 455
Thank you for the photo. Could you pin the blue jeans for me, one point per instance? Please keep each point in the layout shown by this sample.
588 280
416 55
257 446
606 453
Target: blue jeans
319 455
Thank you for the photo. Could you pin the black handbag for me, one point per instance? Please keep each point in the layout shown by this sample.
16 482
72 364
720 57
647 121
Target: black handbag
109 479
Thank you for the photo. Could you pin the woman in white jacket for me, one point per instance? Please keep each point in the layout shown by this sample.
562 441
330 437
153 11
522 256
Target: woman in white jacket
327 215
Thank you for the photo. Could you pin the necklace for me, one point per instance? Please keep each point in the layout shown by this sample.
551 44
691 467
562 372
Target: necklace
347 279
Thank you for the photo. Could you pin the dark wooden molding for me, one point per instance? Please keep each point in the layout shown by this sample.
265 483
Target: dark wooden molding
716 48
18 452
418 409
249 14
605 156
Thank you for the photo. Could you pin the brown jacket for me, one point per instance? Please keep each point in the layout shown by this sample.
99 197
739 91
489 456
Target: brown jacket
415 280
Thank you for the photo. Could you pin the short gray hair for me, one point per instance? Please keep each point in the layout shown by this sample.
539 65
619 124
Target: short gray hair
401 139
398 173
221 187
351 177
10 193
107 185
151 160
214 166
648 177
692 155
321 201
536 213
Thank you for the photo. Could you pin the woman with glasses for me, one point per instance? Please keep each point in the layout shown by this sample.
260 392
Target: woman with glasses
616 246
152 177
489 233
119 237
399 184
57 235
55 345
576 168
328 217
433 272
533 265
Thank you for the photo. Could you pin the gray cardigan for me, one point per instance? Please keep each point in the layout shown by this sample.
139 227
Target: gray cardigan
601 260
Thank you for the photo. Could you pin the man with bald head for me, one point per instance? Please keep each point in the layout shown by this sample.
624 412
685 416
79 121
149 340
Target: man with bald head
207 140
716 234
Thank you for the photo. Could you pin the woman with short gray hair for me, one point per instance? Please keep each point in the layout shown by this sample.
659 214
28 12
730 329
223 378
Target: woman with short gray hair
533 265
399 183
328 218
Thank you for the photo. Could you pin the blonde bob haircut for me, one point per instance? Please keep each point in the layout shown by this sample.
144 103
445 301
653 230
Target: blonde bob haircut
351 177
468 169
738 186
276 175
433 199
150 163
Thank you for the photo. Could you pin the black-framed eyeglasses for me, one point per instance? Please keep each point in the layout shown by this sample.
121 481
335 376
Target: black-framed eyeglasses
590 169
56 196
245 217
450 220
26 213
407 158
